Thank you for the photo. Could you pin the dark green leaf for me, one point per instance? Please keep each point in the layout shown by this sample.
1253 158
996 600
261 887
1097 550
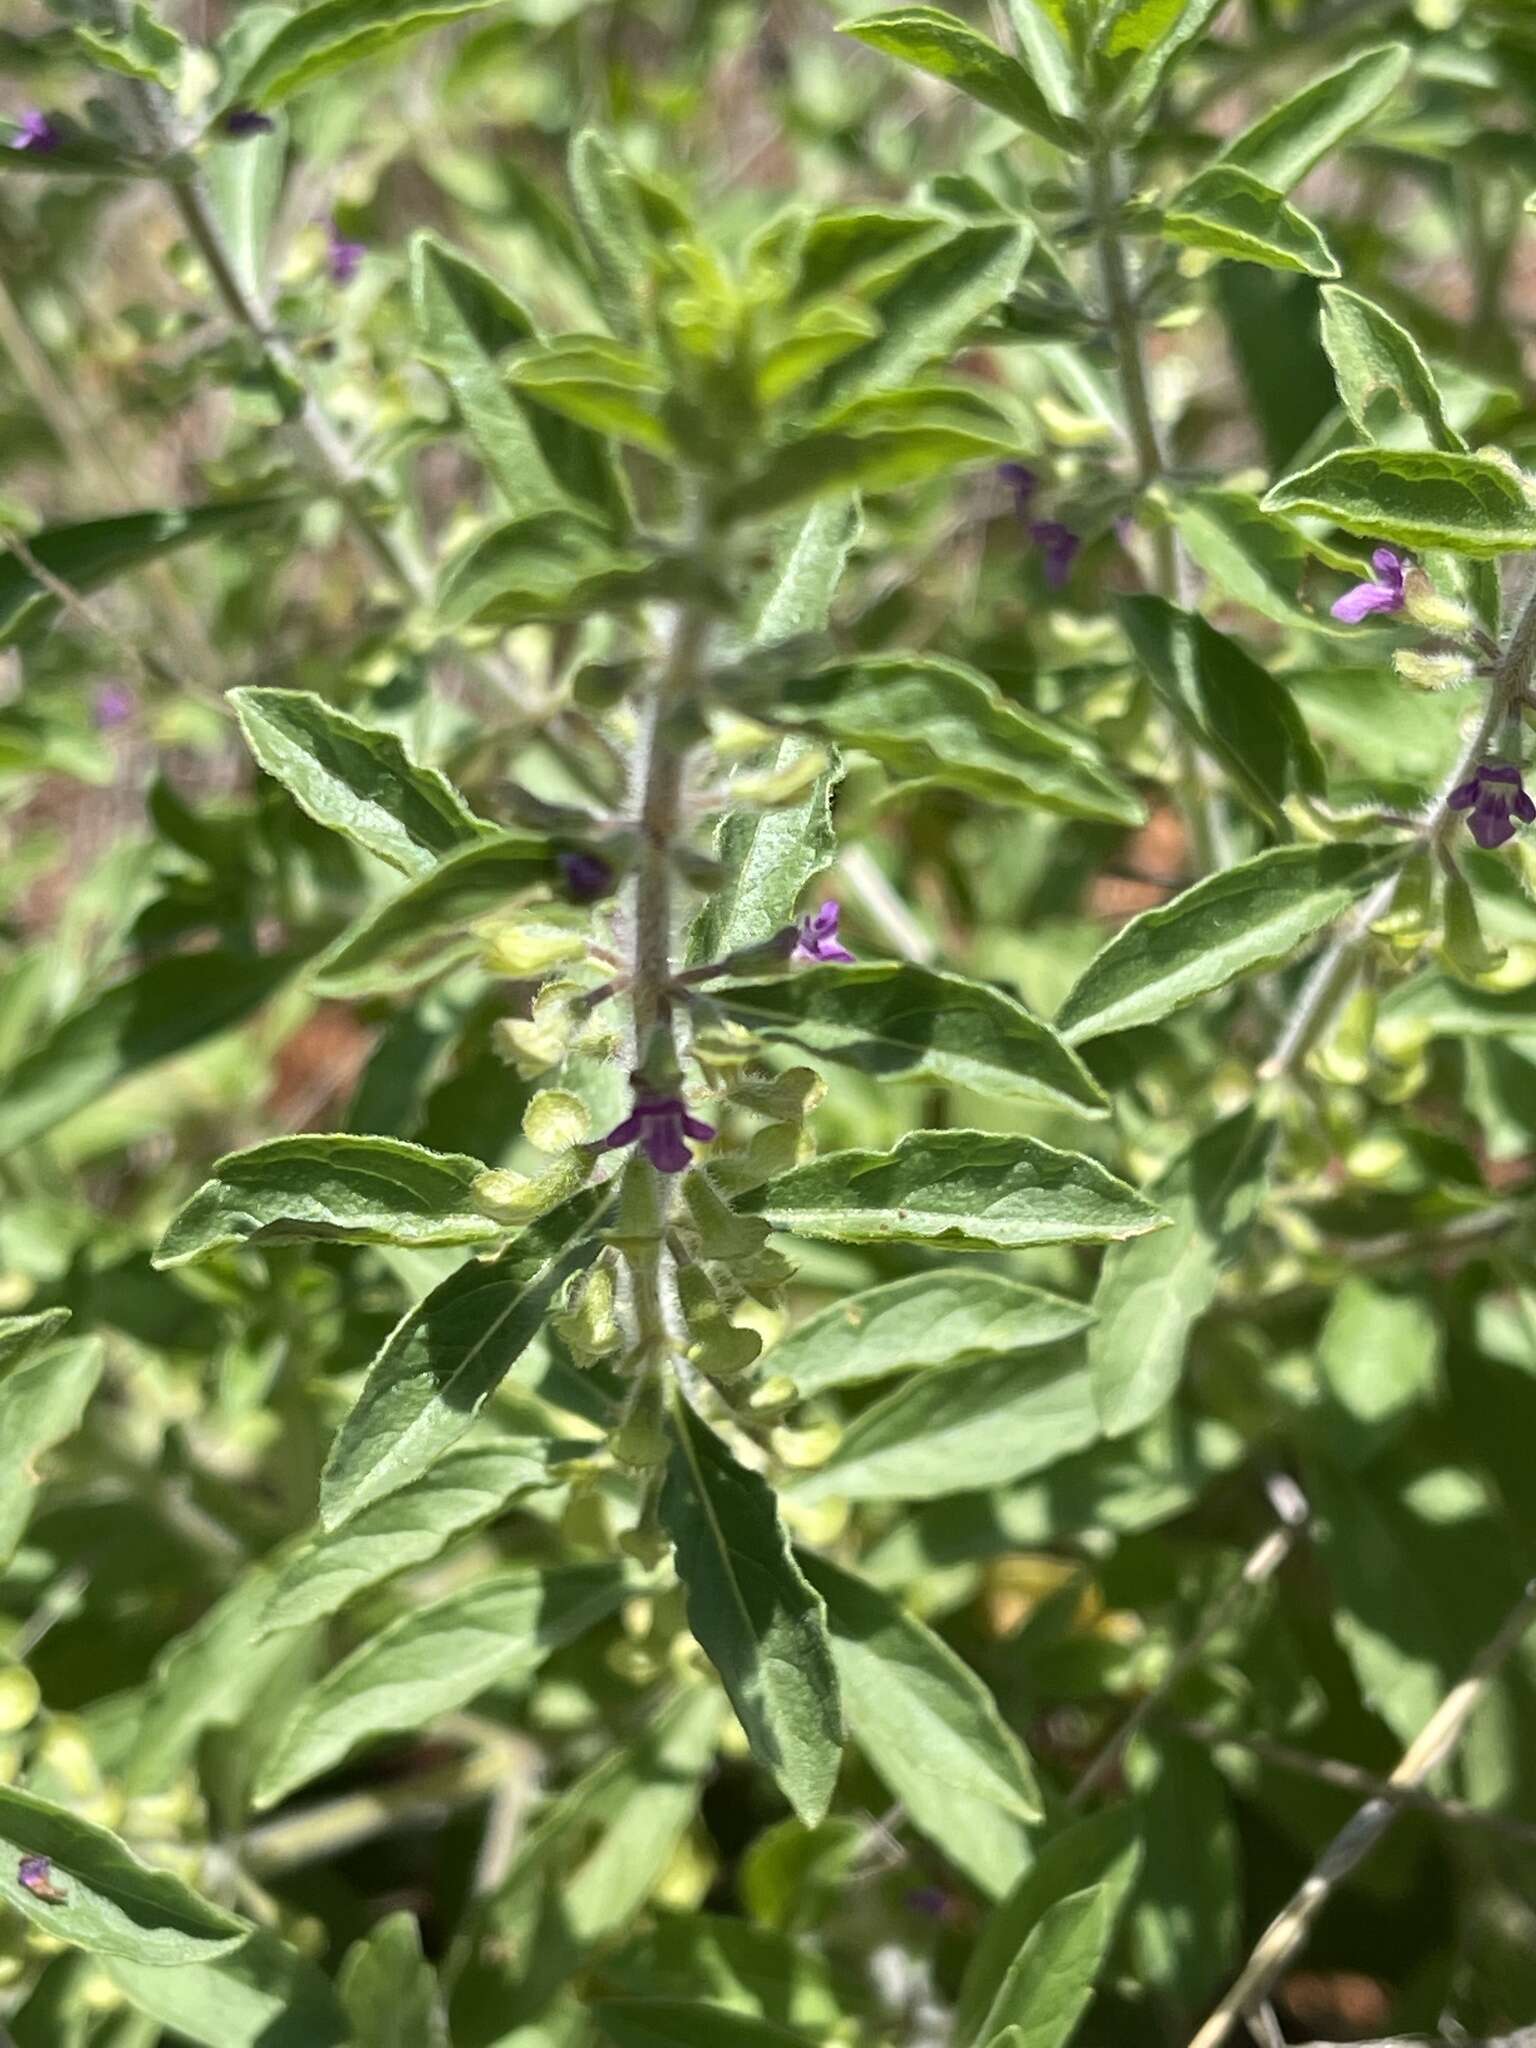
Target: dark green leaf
1468 504
675 2023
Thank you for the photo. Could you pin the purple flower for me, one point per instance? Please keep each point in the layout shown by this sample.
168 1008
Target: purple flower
243 121
1022 481
1493 791
35 1874
1384 595
114 706
342 257
587 876
660 1123
36 133
1059 545
817 939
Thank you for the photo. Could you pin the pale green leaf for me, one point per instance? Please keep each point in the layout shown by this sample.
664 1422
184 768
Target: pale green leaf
614 230
1282 147
1229 212
1255 557
41 1402
264 1995
950 49
970 1190
939 1319
1378 1362
435 1660
1151 1293
1420 498
902 1022
1382 376
760 1624
1245 918
20 1336
446 1357
336 1186
356 779
113 1905
950 1432
390 1990
1051 1984
332 34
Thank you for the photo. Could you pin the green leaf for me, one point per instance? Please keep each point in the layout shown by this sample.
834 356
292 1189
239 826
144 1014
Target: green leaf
1051 1984
930 306
1146 35
333 34
1419 498
390 1990
901 1022
94 552
336 1187
939 43
162 1010
929 1727
939 721
113 1905
598 383
555 565
355 779
759 1623
950 1432
1281 149
770 855
1187 1918
880 441
1382 377
41 1403
970 1190
265 1995
465 321
1228 702
245 183
408 1527
1255 557
678 2023
1147 1301
1378 1362
1045 42
424 928
730 1962
1248 917
1228 211
1100 1855
145 49
946 1318
608 208
445 1359
435 1660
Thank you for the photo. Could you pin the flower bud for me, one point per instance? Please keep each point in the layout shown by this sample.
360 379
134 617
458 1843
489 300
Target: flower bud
555 1120
525 950
642 1439
1432 610
587 1321
515 1198
1432 671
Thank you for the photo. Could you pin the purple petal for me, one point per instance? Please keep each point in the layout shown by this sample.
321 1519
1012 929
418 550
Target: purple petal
1498 771
36 133
1390 566
1365 598
342 257
665 1149
242 121
1524 808
626 1132
1490 826
1463 796
701 1133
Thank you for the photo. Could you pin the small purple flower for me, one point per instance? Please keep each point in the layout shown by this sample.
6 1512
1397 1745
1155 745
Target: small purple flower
36 133
587 876
1022 481
35 1874
1385 594
660 1123
1058 545
817 939
242 121
114 706
341 256
1492 792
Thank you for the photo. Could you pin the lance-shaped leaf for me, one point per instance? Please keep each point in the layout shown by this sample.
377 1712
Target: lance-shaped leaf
540 462
444 1360
41 1402
1420 498
931 1319
929 1727
21 1336
1283 147
1051 1983
558 564
426 927
352 1190
1257 557
939 721
951 1432
332 34
1100 1856
1382 377
950 49
1246 918
94 552
1228 211
465 1488
613 229
390 1990
355 779
1147 1306
1219 693
264 1995
436 1660
109 1902
681 2023
1139 38
901 1022
162 1010
973 1190
760 1624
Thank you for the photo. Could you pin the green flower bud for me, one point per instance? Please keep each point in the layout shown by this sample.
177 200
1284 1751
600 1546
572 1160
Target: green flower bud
1429 608
1433 671
555 1120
